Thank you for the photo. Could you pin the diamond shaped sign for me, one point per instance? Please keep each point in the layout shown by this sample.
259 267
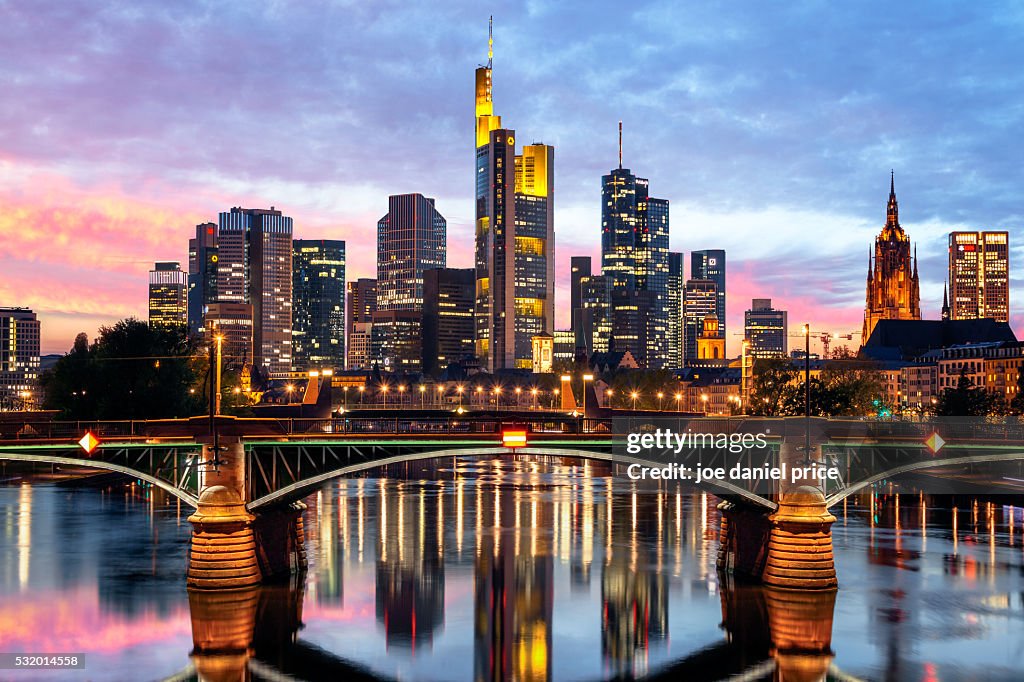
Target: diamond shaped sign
934 442
89 442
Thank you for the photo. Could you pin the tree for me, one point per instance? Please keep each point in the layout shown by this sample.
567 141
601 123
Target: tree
1017 404
132 371
967 400
773 387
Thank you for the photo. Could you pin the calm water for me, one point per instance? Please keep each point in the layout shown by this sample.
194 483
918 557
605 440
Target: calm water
510 570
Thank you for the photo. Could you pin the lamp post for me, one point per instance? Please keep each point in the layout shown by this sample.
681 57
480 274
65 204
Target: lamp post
440 395
661 395
533 392
609 393
220 346
344 398
586 378
554 394
384 392
479 395
634 395
497 397
744 372
423 397
807 394
362 389
460 389
704 403
401 395
679 402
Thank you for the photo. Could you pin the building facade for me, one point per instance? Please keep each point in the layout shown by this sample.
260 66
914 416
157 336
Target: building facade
396 340
448 322
234 322
676 287
360 304
580 268
710 264
411 238
168 295
255 267
893 291
202 274
534 249
19 358
700 299
765 329
318 304
979 275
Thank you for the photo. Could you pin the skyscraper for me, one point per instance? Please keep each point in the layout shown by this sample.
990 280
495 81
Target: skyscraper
514 255
634 257
318 304
447 317
710 264
168 295
979 270
892 290
410 239
676 286
765 328
19 357
255 267
700 298
580 268
360 304
202 274
232 321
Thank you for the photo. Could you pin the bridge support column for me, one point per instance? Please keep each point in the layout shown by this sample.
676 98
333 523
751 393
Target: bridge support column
800 545
223 552
743 542
281 542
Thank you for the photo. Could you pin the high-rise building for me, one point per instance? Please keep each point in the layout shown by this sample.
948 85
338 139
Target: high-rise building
765 329
979 275
448 324
396 340
676 286
318 304
596 317
410 239
634 257
233 322
168 295
360 304
710 264
202 274
514 255
580 269
893 292
19 358
700 299
255 267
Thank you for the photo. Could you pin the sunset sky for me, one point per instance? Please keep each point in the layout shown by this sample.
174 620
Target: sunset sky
771 128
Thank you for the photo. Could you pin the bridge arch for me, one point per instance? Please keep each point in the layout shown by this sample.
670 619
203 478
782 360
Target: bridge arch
300 489
184 496
841 495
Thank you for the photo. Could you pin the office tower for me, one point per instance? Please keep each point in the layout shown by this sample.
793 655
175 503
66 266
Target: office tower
448 325
564 348
892 289
396 340
255 267
979 270
634 257
700 299
410 239
514 254
710 264
596 317
202 274
168 295
765 329
580 269
233 322
318 304
676 285
360 304
19 358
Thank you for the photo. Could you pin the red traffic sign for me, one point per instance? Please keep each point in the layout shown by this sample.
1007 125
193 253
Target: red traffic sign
89 442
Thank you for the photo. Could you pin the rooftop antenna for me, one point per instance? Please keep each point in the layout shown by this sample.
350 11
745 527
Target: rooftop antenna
620 145
490 41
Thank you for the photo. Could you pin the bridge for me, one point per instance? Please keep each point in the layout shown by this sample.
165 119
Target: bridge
246 477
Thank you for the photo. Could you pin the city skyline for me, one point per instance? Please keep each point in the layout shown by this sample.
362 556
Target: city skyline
85 221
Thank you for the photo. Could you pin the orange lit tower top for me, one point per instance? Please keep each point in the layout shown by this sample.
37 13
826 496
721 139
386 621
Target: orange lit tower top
893 291
486 121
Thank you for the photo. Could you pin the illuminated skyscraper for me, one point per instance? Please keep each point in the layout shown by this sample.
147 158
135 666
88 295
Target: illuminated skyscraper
892 290
634 257
710 264
255 267
676 286
318 304
19 357
699 300
360 304
447 317
410 239
514 237
979 270
168 295
765 328
202 274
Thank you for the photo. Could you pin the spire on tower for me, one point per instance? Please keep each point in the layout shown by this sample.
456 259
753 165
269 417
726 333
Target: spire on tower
945 302
490 41
892 183
620 145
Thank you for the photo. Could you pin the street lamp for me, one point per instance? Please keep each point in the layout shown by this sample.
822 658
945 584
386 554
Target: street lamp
519 392
344 398
679 402
361 390
634 395
479 396
440 395
609 393
423 396
704 403
533 392
384 392
401 395
660 396
807 394
460 389
220 344
497 397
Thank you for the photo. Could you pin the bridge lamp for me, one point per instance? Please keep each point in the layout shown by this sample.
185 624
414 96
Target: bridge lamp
704 402
634 395
679 401
423 397
401 394
661 395
384 393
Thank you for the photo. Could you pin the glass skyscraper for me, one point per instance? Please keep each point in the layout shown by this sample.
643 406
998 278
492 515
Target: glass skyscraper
410 239
318 304
710 264
202 274
700 297
766 329
168 295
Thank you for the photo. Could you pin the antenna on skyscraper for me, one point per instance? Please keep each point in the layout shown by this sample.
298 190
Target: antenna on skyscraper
490 41
620 145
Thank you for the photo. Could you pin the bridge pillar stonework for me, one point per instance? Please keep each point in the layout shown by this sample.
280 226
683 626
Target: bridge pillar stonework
223 551
800 545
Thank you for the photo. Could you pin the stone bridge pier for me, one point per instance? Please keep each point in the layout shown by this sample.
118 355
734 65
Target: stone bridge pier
790 548
232 548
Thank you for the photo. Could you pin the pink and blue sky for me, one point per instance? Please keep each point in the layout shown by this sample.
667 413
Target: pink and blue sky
770 128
